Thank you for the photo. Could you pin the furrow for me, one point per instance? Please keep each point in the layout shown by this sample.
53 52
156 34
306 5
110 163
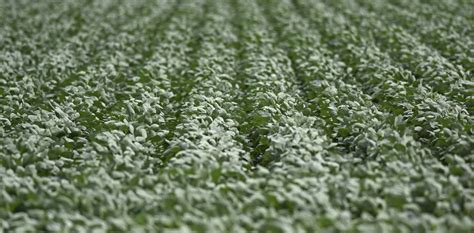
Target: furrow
361 56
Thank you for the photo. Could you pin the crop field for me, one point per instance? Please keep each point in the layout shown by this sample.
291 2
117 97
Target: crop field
237 116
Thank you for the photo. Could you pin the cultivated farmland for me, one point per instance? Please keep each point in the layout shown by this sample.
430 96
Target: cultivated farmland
237 116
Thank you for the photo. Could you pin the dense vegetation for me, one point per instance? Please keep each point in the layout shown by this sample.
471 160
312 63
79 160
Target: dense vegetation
238 115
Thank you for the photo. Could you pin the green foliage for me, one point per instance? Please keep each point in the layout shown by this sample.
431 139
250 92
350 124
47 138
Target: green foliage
236 116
